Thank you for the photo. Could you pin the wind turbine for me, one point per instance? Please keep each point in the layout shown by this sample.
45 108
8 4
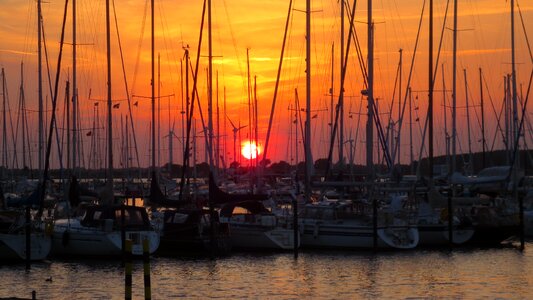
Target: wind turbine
171 135
235 131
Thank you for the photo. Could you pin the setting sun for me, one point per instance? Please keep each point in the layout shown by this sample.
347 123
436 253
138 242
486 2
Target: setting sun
249 150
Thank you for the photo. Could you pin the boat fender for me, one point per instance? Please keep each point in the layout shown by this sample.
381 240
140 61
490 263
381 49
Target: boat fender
66 238
49 228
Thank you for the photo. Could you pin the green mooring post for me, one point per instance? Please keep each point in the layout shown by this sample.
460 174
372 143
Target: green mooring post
146 261
128 270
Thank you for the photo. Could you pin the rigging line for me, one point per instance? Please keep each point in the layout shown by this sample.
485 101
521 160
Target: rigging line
359 52
524 29
498 117
434 76
394 153
139 46
234 42
59 148
191 113
54 105
389 127
127 90
15 158
277 82
337 108
517 137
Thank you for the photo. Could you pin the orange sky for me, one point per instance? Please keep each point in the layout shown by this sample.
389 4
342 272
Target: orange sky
484 42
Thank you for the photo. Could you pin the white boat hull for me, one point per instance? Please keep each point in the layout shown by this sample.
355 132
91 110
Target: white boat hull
351 236
13 246
71 238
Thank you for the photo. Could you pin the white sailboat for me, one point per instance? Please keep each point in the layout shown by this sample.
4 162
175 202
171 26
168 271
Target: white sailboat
101 229
251 224
349 225
13 237
98 232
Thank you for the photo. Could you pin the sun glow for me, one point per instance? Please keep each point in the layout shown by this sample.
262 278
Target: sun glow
250 150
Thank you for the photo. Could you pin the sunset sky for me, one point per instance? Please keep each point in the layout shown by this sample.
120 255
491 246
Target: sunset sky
483 42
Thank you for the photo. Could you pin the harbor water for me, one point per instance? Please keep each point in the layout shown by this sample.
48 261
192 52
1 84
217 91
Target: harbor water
502 273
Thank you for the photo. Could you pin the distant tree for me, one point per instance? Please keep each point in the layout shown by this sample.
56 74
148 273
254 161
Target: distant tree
281 167
234 165
321 164
265 162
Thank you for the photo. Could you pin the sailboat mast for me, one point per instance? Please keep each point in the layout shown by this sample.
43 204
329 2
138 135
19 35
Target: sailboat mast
67 109
454 91
331 89
217 149
307 138
250 126
513 81
482 118
210 83
470 156
399 145
153 87
411 154
23 115
370 95
40 88
341 93
4 123
109 102
430 96
74 91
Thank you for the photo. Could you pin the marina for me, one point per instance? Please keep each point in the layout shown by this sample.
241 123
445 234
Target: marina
335 151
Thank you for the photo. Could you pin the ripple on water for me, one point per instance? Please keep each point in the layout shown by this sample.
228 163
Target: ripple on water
471 273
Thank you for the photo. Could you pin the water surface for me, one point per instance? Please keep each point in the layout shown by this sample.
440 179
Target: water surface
467 273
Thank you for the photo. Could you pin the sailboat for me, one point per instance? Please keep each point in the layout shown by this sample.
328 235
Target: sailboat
251 224
14 235
101 228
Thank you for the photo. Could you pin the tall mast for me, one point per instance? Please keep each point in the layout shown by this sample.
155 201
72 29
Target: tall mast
217 149
74 91
210 82
159 109
307 138
250 122
331 89
4 123
341 93
513 82
430 96
399 105
109 102
153 88
470 156
23 114
454 91
482 118
256 134
370 95
40 68
411 155
67 109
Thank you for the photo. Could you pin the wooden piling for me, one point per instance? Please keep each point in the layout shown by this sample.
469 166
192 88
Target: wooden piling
146 262
128 270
